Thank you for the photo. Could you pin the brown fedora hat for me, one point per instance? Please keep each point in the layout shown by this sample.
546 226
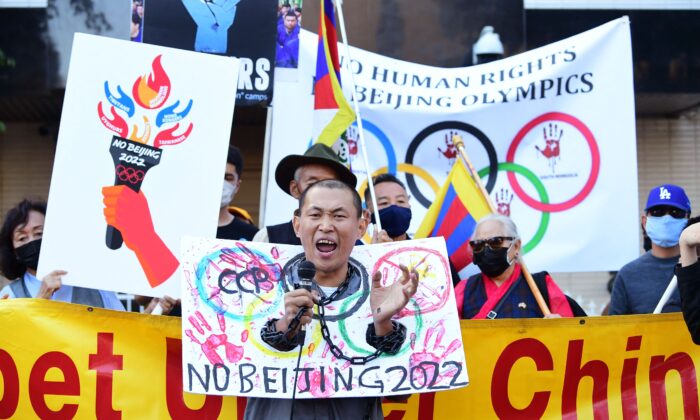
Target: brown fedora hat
319 154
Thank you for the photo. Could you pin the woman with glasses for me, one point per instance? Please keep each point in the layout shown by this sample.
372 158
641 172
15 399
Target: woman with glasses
500 290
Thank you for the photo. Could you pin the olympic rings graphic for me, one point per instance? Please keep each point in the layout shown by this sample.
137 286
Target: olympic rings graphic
450 125
385 142
407 168
595 162
541 191
133 176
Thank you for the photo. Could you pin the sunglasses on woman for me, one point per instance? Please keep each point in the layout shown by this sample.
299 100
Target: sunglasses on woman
494 243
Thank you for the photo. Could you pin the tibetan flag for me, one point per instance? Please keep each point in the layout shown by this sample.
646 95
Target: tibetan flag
332 113
453 215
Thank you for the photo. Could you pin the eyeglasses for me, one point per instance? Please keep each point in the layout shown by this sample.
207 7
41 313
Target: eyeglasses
661 211
494 243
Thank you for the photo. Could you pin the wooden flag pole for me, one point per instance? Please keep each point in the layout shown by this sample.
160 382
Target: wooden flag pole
459 143
358 116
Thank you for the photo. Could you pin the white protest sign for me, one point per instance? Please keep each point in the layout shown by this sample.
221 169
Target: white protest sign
155 121
551 130
231 289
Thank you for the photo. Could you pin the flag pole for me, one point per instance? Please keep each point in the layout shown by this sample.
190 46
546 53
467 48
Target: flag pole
459 143
360 130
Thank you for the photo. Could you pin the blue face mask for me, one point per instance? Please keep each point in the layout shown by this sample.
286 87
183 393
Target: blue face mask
395 220
665 231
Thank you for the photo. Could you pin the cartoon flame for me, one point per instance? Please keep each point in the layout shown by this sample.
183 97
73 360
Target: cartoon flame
152 92
169 138
146 132
116 124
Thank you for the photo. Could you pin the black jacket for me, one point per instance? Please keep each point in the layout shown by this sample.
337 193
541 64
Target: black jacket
689 287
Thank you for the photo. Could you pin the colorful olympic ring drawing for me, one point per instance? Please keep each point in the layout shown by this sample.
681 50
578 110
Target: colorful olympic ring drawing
450 125
208 293
363 352
541 191
595 162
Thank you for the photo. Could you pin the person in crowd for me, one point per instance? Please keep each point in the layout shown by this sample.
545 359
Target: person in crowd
640 284
395 215
500 290
688 272
230 226
329 222
288 42
296 173
20 247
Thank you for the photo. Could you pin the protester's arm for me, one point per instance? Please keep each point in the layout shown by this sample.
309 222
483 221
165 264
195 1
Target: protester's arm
280 333
689 241
50 284
387 301
689 280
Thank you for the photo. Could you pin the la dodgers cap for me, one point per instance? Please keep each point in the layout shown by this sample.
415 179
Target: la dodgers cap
668 195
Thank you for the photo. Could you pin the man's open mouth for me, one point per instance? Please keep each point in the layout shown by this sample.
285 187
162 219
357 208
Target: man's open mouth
326 245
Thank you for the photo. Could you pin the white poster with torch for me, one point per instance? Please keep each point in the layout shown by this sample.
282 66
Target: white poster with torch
139 162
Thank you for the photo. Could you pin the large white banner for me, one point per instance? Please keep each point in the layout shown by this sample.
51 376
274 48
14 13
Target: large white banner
230 289
143 139
551 131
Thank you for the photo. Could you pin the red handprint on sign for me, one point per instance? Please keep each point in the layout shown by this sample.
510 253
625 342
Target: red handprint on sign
503 200
432 355
450 151
551 150
212 341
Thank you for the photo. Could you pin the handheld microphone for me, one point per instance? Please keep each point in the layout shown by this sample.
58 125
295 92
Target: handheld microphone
306 273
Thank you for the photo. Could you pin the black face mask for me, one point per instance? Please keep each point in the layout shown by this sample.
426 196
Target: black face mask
492 262
28 254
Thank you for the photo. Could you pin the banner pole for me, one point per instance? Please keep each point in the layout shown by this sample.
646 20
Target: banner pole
360 130
459 143
667 295
265 167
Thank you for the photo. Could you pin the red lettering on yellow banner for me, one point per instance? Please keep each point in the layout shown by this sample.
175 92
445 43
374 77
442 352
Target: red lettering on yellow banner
40 387
597 370
104 362
10 381
526 347
173 388
659 367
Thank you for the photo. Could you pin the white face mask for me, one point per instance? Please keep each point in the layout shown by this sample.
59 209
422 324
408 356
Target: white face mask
227 194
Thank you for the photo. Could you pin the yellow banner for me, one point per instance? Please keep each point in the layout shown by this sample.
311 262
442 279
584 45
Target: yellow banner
65 360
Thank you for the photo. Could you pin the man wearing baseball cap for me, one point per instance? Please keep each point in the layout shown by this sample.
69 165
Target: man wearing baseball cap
296 173
640 284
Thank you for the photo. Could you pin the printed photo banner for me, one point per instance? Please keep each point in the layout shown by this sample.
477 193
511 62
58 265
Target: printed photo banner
551 132
142 118
231 289
244 29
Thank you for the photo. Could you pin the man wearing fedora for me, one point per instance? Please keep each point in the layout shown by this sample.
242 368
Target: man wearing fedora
296 173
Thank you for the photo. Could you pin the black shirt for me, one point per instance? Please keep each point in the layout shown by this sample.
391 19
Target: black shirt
236 230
